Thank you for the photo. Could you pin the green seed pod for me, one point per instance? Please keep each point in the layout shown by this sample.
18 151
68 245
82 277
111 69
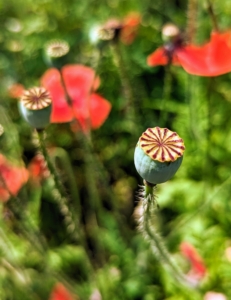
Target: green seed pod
35 107
158 154
55 53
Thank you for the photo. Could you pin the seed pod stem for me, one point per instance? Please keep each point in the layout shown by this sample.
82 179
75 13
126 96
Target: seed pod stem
149 232
61 197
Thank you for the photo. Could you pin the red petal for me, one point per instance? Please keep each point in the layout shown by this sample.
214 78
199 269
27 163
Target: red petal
80 81
99 110
132 19
219 53
212 59
197 264
193 60
60 293
12 178
130 27
199 268
159 57
61 112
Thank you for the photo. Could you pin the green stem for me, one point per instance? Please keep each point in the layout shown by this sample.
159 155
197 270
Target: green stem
212 15
191 100
166 95
191 20
93 210
125 80
62 155
155 240
61 197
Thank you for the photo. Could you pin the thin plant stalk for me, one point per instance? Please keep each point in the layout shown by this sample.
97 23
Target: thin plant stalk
212 15
191 86
61 196
93 214
166 95
85 141
125 80
191 20
62 155
147 228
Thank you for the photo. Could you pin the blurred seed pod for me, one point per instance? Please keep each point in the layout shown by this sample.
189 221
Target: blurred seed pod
110 30
55 52
171 33
158 154
35 107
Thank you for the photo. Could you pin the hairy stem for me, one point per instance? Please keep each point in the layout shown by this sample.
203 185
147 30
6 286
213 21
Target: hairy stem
191 20
156 242
212 15
125 80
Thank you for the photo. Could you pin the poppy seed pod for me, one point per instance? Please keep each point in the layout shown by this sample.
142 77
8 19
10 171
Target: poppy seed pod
35 107
158 154
55 53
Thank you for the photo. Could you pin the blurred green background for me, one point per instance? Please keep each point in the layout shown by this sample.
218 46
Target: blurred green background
111 256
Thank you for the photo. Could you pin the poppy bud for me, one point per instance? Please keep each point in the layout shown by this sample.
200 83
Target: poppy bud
158 154
35 107
170 33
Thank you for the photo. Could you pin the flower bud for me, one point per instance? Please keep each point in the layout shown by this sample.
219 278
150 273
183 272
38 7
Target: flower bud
170 33
158 154
35 107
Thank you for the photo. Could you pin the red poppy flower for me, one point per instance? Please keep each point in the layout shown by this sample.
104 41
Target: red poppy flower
210 59
12 179
86 106
191 58
198 269
60 293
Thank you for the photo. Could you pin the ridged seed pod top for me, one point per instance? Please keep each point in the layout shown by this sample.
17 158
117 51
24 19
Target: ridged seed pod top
57 48
35 107
162 144
36 98
158 154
